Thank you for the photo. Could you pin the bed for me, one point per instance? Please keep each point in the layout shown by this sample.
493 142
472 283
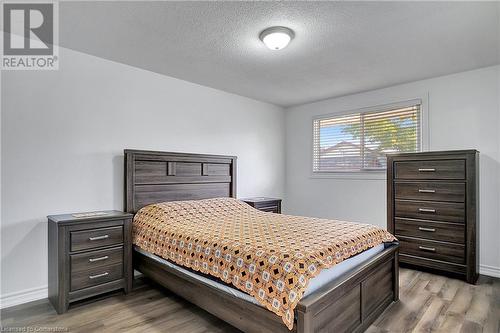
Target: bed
347 302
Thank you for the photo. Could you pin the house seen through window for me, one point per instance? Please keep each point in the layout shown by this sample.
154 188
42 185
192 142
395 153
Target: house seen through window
359 141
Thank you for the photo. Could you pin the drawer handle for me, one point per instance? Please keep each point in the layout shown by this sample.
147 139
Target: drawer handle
98 237
426 170
98 275
426 210
426 191
427 229
425 248
98 259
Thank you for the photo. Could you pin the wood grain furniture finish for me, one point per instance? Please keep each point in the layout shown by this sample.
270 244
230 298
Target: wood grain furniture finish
349 303
152 177
432 208
264 204
88 256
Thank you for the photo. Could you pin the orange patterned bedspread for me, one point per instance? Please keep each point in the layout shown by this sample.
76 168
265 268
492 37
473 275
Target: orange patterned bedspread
269 256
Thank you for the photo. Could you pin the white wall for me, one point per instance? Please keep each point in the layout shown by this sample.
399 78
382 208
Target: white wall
464 112
63 135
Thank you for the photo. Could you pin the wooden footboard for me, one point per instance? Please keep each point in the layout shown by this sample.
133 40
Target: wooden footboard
348 304
353 301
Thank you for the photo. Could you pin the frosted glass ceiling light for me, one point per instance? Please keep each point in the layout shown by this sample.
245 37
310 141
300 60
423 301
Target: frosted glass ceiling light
276 38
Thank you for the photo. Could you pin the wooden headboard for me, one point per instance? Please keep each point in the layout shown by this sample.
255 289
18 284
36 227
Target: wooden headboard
155 176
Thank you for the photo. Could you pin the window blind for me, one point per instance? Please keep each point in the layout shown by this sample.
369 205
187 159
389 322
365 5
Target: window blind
359 141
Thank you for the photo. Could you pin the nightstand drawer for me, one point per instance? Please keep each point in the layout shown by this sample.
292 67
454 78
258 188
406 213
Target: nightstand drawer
93 238
430 169
96 276
269 209
94 259
271 205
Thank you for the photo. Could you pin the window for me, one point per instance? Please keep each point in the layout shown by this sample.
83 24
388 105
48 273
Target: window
359 141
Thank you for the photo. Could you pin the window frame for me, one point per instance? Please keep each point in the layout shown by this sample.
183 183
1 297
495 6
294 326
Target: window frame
370 173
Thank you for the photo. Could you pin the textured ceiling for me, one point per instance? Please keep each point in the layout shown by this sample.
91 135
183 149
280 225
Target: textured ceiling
340 47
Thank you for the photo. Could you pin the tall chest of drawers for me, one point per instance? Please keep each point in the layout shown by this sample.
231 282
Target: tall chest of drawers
433 210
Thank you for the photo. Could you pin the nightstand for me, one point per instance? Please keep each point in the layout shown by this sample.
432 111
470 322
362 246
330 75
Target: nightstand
264 204
89 254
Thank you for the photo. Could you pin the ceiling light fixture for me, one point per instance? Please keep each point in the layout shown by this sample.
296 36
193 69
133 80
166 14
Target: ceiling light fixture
276 38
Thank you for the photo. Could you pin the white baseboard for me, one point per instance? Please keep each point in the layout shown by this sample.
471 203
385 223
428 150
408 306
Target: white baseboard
23 296
489 270
34 294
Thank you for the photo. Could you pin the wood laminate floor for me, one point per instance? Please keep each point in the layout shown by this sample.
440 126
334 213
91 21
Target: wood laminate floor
428 303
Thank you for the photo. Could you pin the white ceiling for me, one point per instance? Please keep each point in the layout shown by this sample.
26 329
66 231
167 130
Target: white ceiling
340 47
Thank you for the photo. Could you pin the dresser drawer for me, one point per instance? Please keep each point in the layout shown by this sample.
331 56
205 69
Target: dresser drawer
93 238
430 169
96 276
446 232
432 250
444 266
435 191
430 210
94 259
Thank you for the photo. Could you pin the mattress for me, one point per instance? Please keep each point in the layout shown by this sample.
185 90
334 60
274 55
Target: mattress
322 279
